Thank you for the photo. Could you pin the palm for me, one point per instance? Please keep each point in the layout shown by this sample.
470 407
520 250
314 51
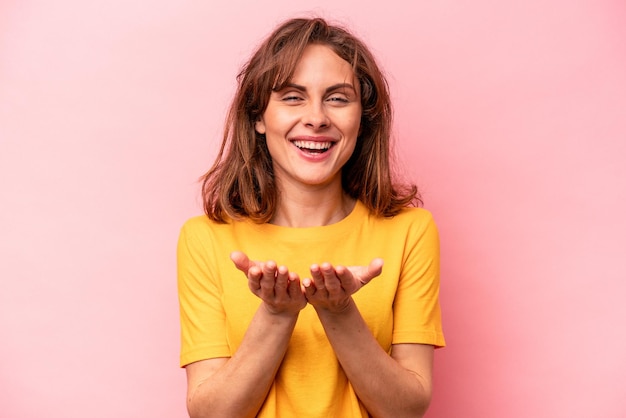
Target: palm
332 287
275 285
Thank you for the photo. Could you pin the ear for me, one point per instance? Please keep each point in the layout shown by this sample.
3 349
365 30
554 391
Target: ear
259 126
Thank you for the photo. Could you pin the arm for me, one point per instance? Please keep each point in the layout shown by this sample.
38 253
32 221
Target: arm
399 385
237 386
389 386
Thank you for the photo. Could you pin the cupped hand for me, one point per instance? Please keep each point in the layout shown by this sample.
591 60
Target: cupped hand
331 287
278 288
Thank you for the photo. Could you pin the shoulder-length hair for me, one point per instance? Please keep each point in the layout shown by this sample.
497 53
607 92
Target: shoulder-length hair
241 183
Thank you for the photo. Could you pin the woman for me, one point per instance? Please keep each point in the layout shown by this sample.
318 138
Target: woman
302 185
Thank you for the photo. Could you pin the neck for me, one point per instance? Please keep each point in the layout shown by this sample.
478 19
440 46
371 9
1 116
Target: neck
312 208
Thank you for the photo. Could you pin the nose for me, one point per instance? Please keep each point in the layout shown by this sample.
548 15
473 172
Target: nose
315 116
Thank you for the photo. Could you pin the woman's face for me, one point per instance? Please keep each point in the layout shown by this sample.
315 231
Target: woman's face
311 125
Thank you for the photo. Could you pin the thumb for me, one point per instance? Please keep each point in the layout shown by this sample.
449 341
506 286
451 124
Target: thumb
242 262
374 269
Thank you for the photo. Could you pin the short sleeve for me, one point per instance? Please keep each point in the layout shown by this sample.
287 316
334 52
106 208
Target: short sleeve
417 313
202 317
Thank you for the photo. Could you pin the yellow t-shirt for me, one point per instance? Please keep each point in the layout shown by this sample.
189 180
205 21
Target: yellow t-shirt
399 306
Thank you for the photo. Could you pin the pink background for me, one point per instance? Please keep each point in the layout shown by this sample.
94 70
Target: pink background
511 116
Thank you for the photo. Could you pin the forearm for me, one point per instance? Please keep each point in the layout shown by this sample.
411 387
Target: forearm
385 387
239 387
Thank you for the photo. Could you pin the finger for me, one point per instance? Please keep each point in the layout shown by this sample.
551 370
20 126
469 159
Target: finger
344 275
374 269
308 287
317 277
269 270
294 289
254 279
268 279
282 278
242 262
331 281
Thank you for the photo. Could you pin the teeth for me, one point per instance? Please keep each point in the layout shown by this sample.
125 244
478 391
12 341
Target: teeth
312 144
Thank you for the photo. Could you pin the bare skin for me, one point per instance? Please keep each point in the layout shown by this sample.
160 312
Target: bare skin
322 105
395 386
391 386
237 386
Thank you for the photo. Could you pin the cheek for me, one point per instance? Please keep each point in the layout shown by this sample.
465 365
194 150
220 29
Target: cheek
353 125
280 123
353 119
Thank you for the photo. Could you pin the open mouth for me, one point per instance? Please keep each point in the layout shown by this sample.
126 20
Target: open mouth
313 147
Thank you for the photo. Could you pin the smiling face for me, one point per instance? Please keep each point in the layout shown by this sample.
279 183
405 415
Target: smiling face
311 125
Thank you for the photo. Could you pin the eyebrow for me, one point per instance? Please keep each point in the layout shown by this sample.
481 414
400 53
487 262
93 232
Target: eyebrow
329 89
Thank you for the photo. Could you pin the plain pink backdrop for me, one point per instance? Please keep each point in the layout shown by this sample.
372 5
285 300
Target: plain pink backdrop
511 116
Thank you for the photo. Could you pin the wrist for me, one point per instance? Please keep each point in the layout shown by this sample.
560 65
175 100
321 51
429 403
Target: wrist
340 309
279 315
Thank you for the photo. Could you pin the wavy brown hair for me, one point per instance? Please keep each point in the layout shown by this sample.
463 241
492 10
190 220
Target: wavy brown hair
241 183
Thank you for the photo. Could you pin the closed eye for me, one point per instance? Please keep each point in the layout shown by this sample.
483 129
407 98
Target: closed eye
291 98
338 100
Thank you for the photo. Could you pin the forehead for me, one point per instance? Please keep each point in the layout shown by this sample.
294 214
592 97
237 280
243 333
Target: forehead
319 64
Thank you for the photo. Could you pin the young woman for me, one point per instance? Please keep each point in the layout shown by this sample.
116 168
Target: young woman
286 310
